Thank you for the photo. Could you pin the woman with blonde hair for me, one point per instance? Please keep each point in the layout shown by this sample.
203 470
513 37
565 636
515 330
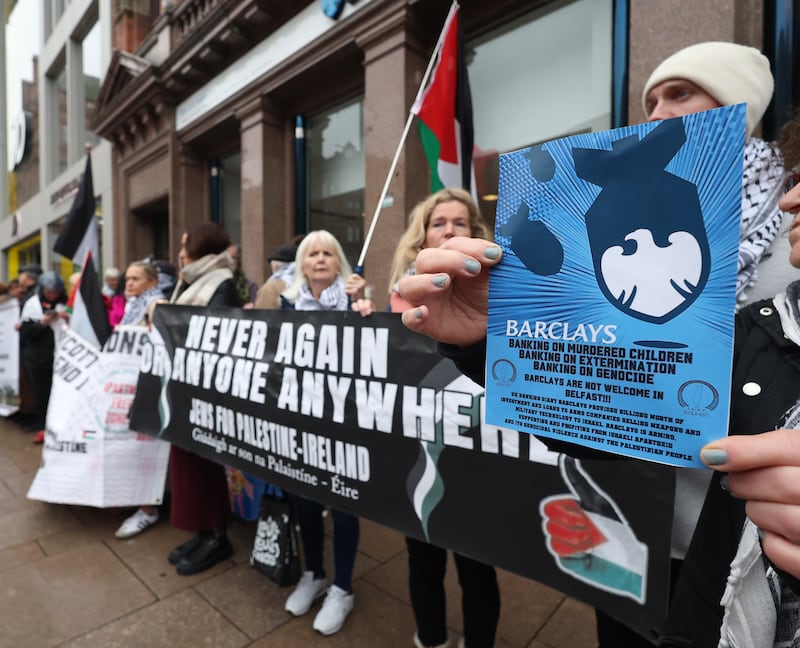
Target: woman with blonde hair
415 238
141 295
439 217
319 285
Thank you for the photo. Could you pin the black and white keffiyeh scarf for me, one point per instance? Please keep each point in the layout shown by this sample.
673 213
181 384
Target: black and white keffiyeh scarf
136 307
762 188
759 608
333 297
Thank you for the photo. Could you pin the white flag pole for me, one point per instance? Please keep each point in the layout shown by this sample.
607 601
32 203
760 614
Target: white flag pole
359 269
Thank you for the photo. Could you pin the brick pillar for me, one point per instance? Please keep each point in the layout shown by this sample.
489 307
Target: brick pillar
132 22
267 219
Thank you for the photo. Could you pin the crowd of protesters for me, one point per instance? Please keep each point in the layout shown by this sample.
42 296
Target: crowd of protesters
448 244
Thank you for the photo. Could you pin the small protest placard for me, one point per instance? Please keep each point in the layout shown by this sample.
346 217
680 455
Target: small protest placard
611 313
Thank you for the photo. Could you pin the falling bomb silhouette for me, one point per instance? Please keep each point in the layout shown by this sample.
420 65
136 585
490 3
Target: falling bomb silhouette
645 228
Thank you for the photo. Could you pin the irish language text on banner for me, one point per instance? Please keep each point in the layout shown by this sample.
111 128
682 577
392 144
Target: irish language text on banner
365 416
9 357
611 313
90 456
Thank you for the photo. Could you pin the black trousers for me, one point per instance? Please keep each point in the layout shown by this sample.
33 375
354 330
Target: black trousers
40 377
480 596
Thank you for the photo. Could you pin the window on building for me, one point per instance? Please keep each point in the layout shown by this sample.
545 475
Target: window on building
336 176
92 75
546 75
58 134
53 10
230 195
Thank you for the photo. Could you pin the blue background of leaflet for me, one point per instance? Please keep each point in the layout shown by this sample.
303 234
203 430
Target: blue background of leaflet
711 159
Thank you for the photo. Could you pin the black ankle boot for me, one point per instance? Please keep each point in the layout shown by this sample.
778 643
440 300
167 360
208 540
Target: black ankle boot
183 549
214 547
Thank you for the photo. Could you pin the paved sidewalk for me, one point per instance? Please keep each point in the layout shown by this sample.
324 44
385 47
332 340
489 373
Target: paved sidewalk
66 581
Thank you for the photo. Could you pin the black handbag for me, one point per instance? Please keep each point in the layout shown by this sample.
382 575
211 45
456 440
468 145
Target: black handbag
275 550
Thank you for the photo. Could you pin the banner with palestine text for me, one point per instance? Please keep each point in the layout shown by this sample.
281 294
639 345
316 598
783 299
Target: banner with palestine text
365 416
90 456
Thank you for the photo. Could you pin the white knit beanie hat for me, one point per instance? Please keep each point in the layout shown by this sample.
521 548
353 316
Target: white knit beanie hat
729 72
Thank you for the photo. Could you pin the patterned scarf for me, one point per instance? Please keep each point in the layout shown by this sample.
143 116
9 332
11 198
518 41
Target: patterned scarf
762 188
788 306
199 280
332 298
136 307
760 610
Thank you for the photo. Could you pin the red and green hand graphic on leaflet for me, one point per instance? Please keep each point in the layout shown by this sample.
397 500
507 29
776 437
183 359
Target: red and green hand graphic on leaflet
589 537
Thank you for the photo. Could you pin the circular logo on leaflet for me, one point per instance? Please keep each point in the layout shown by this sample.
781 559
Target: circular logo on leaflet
504 372
698 397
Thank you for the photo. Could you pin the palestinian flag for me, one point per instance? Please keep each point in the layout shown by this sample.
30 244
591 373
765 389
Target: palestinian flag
89 317
445 112
79 235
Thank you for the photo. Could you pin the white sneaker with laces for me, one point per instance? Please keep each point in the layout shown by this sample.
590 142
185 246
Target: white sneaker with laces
137 523
308 590
335 608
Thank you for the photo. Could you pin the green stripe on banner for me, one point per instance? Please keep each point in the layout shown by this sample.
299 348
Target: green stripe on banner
430 143
605 574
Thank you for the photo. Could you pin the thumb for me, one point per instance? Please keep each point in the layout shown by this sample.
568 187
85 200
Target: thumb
739 453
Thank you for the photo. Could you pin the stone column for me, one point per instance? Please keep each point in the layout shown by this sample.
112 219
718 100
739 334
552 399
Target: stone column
267 219
188 199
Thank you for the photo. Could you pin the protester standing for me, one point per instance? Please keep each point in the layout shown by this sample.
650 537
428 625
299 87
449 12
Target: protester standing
38 328
319 285
247 288
111 279
199 487
142 294
438 218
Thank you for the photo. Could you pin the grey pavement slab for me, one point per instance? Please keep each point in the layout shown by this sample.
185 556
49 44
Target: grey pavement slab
67 582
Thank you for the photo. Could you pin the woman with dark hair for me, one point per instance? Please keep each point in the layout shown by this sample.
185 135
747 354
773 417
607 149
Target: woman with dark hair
200 501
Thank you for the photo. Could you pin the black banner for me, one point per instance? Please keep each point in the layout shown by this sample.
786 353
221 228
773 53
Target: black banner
365 416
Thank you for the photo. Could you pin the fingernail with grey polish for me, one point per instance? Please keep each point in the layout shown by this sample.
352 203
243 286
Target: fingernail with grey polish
492 252
418 314
472 266
723 483
439 281
714 457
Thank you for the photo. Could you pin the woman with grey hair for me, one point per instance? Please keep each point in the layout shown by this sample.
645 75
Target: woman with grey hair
39 319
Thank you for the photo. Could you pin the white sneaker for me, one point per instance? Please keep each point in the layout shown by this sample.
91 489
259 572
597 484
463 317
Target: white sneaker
419 644
308 590
137 523
335 608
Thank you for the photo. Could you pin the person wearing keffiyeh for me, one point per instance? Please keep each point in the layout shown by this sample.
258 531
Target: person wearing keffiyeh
319 284
762 594
713 74
141 294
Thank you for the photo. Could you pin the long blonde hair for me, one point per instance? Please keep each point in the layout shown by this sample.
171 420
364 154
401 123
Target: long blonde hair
328 240
413 240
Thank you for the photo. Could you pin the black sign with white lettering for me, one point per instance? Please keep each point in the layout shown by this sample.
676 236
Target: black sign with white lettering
365 416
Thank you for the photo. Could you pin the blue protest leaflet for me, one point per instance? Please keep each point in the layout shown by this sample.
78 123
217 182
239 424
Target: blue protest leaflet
611 314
